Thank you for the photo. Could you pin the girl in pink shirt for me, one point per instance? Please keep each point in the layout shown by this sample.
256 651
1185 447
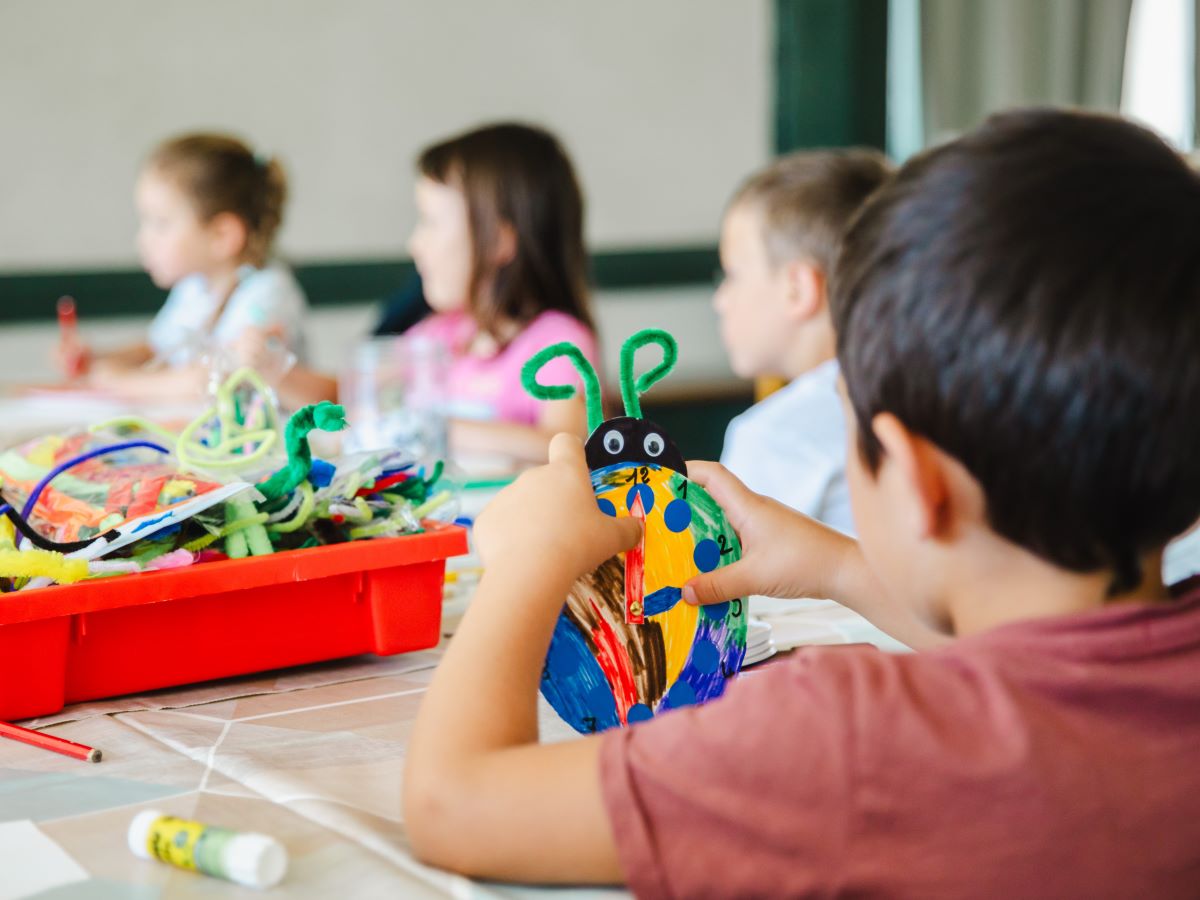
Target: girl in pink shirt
499 245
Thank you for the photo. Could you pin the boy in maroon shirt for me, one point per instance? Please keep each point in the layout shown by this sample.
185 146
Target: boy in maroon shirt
1019 333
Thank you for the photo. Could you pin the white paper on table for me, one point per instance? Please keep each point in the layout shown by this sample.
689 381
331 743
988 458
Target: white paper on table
32 862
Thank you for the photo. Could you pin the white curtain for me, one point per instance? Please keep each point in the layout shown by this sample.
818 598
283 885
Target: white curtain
980 56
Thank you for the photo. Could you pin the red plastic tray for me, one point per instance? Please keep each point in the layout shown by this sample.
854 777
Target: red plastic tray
132 633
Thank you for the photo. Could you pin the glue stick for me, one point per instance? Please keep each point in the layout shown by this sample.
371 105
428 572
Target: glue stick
254 860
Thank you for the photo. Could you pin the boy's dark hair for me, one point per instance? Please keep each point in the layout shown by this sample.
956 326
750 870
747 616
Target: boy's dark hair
806 200
520 175
1027 297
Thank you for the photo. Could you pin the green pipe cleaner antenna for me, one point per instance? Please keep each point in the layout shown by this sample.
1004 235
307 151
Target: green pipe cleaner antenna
323 416
631 389
591 381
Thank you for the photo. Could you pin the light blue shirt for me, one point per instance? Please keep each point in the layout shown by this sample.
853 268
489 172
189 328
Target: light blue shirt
267 298
1182 557
792 447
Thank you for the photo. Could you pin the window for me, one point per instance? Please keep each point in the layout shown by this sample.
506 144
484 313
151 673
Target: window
1160 55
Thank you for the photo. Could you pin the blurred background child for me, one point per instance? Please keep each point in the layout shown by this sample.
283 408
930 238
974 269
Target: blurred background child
498 244
779 240
208 212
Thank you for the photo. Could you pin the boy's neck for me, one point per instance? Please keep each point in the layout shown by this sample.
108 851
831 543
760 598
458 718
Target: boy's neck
813 347
1008 584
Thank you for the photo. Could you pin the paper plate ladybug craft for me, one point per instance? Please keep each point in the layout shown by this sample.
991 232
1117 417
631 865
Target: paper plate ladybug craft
626 647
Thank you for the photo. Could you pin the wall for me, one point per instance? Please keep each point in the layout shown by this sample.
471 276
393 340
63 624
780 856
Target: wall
664 105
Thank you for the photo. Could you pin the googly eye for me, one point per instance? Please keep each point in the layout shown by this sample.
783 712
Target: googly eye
654 444
614 443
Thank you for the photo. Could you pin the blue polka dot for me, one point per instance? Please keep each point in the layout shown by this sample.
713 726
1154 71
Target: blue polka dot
705 656
598 698
643 491
681 694
606 506
707 554
677 515
639 712
716 611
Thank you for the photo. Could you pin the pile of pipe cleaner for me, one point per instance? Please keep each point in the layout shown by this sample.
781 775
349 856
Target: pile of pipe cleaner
130 496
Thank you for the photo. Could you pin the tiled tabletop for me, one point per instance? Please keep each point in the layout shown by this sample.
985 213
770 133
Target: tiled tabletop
312 756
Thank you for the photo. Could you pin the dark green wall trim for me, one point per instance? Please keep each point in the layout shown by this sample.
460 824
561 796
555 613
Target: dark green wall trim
667 267
31 296
830 73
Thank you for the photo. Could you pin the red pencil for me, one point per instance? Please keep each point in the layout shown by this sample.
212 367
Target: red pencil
74 353
49 741
68 319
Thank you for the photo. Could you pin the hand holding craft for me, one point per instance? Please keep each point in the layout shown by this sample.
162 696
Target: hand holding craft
549 519
624 648
786 553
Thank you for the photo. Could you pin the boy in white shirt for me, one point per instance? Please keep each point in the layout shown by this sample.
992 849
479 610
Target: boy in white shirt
779 240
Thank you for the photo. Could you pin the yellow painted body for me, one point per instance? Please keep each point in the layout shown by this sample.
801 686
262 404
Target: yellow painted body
669 560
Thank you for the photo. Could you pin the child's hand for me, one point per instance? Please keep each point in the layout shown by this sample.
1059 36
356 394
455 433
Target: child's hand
72 359
548 521
265 351
784 553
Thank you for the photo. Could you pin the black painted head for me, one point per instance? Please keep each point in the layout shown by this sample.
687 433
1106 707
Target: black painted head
624 439
621 439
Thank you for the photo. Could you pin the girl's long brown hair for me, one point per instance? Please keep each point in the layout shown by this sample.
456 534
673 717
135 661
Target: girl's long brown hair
517 175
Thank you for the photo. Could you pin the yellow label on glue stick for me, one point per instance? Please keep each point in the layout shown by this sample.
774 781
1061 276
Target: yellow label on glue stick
247 858
189 845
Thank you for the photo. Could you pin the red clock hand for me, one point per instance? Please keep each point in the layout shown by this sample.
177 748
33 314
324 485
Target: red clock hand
635 570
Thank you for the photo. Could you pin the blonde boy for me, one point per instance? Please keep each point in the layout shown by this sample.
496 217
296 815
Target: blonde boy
779 241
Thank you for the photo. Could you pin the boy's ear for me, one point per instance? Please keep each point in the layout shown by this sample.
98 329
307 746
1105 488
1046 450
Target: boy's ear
805 289
920 475
228 233
506 245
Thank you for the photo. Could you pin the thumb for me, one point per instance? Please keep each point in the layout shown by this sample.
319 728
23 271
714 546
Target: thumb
568 449
626 531
719 585
726 488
